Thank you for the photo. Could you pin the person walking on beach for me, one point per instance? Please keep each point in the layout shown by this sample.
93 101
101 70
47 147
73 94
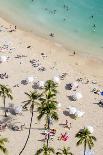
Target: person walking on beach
66 122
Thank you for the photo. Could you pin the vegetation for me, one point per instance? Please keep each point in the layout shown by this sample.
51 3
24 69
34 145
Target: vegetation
2 145
5 92
85 138
45 150
46 107
64 151
48 104
51 86
32 100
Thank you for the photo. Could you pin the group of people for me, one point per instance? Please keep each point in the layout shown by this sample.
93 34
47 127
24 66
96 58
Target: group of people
3 75
50 133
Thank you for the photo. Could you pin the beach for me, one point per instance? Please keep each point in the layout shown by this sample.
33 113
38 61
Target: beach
24 47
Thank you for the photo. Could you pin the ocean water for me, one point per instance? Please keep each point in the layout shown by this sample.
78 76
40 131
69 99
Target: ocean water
76 24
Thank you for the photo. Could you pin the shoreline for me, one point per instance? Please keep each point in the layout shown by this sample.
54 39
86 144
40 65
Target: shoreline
56 61
92 64
74 45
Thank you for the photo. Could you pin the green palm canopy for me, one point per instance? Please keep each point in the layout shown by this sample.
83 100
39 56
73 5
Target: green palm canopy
2 145
31 102
5 92
64 151
85 138
45 150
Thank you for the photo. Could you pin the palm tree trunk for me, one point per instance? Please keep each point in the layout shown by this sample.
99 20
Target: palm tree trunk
48 136
28 133
84 147
4 106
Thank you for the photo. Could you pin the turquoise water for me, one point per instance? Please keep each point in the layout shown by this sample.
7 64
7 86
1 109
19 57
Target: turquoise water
77 24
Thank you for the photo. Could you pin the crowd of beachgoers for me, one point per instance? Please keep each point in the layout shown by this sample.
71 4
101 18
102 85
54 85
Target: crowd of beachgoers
44 93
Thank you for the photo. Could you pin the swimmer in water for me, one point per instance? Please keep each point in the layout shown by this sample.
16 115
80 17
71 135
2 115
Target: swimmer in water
92 16
94 27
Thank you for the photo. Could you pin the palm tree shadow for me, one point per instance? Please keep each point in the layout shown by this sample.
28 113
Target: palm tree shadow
62 124
1 108
34 128
41 140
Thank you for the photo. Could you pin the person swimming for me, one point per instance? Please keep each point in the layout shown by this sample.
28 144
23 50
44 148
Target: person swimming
92 16
94 27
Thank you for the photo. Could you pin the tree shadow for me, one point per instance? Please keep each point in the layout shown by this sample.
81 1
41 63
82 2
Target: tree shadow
35 128
41 140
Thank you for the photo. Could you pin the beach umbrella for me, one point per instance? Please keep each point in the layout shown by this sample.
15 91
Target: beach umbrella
41 84
90 128
58 105
56 79
89 152
101 93
77 96
72 110
3 59
79 113
18 109
30 79
74 85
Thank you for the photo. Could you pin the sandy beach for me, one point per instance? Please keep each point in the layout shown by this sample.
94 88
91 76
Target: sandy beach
22 48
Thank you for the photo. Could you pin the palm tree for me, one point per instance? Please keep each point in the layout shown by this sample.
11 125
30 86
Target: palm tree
32 100
65 151
47 108
5 92
48 104
51 86
2 145
45 150
86 138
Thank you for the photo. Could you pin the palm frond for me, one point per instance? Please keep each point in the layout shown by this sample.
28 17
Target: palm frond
39 151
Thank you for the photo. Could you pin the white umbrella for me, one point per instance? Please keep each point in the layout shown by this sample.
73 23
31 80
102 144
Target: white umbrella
89 152
30 79
74 85
77 96
79 113
72 110
41 84
18 109
90 128
58 105
56 79
3 59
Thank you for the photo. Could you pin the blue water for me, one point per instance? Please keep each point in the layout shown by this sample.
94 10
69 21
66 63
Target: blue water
76 24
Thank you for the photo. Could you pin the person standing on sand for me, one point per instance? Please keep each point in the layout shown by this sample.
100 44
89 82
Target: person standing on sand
66 122
74 53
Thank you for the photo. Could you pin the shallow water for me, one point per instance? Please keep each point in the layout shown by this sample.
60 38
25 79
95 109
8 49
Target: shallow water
75 23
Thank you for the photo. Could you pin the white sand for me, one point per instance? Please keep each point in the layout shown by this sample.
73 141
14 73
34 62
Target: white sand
78 66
